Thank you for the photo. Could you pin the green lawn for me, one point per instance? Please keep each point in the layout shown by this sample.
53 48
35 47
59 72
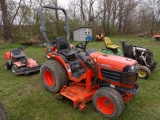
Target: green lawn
25 98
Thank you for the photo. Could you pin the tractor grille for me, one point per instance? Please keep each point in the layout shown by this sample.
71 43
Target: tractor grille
122 77
111 75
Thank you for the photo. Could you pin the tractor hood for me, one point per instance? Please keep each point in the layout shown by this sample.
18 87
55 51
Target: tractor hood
112 62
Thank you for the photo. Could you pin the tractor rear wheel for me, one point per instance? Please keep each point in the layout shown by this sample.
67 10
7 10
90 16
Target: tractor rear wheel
3 113
108 102
7 66
143 72
54 76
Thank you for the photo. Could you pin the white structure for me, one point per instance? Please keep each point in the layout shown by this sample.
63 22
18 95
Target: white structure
82 34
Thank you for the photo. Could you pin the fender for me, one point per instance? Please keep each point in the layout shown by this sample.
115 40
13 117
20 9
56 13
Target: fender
64 62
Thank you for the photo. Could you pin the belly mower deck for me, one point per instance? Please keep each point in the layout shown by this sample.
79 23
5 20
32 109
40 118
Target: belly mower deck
27 70
78 94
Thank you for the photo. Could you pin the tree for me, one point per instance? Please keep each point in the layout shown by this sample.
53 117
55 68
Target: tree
57 18
6 24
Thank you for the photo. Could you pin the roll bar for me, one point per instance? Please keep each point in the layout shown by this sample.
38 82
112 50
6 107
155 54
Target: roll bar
43 27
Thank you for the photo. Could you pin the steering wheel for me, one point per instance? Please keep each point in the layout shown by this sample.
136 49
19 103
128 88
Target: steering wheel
82 45
123 42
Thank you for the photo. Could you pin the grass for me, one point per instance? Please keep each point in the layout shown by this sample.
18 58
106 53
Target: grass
25 98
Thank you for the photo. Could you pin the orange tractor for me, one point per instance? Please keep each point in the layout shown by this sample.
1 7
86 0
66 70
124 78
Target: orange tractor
83 75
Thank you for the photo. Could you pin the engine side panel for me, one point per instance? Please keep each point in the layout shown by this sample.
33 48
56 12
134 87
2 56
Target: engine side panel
7 56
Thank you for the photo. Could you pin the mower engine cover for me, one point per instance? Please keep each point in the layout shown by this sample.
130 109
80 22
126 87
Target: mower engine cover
32 63
7 56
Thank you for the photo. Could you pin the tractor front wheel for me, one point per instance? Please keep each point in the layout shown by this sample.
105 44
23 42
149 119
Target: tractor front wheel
54 76
143 72
108 102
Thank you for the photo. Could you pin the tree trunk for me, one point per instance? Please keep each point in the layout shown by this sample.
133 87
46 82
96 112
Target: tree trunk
104 17
6 25
57 18
109 15
82 13
120 16
90 12
114 10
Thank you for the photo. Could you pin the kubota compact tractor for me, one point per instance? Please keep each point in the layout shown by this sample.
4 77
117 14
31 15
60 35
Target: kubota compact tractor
85 75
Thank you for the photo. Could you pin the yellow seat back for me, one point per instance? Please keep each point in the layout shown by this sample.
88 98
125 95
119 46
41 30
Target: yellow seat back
107 41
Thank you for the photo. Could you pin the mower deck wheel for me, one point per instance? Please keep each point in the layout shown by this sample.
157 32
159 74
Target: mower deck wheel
3 113
48 57
108 102
143 72
14 68
7 66
54 76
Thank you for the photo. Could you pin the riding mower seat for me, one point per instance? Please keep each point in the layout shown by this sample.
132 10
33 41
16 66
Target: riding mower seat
17 53
108 43
128 51
63 47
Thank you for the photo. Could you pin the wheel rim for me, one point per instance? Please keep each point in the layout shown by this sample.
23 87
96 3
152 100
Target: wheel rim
13 70
49 79
48 56
142 73
5 67
105 105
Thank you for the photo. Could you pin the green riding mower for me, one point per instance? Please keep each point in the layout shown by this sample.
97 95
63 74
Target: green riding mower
110 48
142 55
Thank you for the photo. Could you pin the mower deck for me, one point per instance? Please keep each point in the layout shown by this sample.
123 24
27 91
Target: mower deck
78 94
27 70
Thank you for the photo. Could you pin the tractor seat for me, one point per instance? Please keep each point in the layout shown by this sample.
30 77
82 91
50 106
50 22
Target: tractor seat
63 47
69 54
16 53
108 43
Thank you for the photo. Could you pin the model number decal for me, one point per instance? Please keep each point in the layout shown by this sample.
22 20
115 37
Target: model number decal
104 65
109 66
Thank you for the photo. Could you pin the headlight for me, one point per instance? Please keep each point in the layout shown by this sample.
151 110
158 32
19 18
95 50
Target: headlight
133 68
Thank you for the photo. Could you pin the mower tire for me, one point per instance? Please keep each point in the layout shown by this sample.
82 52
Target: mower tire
143 72
3 113
108 102
54 76
14 68
7 66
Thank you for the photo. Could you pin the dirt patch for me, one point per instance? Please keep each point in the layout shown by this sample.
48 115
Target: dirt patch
29 88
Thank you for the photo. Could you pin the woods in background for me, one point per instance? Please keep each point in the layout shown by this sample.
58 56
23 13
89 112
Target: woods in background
20 19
